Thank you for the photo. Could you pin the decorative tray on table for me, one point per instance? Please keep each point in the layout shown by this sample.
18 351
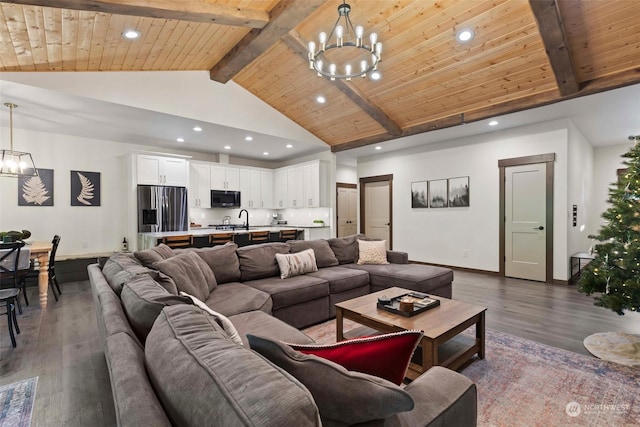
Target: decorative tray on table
421 302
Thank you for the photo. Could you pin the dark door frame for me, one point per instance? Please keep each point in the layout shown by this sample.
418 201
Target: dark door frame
549 160
362 219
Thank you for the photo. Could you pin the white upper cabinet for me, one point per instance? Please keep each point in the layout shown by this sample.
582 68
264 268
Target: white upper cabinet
301 186
266 189
225 178
256 188
311 179
280 189
158 170
199 185
295 187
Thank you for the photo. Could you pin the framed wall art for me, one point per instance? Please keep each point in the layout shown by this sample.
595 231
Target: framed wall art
419 195
459 192
85 188
438 193
36 190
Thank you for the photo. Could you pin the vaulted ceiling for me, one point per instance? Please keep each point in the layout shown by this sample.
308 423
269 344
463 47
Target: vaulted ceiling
525 54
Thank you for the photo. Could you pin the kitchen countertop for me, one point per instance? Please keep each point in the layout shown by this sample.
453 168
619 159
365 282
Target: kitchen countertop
202 231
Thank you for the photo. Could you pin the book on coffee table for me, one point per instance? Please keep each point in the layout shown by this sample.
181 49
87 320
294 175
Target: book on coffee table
421 302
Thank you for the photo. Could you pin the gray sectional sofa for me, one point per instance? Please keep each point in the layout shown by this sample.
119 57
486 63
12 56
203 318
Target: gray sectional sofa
173 363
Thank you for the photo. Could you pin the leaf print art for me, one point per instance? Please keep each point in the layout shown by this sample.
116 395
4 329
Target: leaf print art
86 193
34 191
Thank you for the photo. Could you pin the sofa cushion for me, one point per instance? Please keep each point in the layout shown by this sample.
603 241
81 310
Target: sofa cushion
259 261
263 324
345 248
223 261
342 279
119 267
190 274
164 281
222 320
235 297
416 277
372 252
332 386
296 264
150 256
203 378
324 255
143 299
386 356
291 291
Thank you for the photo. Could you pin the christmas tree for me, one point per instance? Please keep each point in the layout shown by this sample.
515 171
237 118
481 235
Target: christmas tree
614 274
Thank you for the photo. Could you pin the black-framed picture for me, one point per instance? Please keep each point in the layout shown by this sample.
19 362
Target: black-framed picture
459 192
36 190
438 193
85 188
419 195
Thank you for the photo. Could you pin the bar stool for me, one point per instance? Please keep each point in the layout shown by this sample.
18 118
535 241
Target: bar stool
10 296
287 234
220 238
178 241
259 236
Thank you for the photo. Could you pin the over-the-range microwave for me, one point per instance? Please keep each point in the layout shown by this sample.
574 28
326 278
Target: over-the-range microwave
225 199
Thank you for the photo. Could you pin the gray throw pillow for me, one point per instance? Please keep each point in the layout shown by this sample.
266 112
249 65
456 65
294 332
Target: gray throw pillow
119 267
346 248
190 274
324 255
259 261
332 386
150 256
222 260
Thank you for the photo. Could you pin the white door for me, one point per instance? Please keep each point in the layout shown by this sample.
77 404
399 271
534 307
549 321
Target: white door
377 219
525 234
347 211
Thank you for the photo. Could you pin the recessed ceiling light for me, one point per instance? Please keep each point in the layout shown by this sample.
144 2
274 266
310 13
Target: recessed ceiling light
465 35
248 138
321 99
131 34
227 147
197 129
266 153
180 139
375 75
493 123
289 146
378 147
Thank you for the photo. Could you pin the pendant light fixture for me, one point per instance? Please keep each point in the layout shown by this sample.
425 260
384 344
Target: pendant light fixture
15 163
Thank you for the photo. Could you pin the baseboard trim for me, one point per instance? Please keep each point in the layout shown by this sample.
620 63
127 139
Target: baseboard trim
453 267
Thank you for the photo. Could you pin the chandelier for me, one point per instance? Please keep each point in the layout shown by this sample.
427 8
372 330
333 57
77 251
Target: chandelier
15 163
349 56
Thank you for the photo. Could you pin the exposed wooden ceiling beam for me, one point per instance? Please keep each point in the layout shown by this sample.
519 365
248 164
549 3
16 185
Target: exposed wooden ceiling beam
294 41
283 18
195 11
556 44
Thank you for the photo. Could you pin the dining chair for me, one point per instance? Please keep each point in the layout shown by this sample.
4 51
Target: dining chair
178 241
10 296
14 265
220 238
259 236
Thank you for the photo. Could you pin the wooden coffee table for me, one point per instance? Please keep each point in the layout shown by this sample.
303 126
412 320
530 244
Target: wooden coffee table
442 343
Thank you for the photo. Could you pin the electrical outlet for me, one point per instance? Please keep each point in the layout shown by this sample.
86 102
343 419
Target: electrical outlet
465 253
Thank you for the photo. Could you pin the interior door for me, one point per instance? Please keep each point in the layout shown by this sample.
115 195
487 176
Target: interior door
377 208
347 211
525 211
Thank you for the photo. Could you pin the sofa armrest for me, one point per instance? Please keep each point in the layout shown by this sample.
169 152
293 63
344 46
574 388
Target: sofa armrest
397 257
442 398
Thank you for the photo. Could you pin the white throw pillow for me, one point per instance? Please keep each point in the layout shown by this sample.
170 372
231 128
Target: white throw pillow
296 264
221 319
372 252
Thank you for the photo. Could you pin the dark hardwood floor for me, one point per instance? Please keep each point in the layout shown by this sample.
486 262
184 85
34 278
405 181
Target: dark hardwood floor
60 343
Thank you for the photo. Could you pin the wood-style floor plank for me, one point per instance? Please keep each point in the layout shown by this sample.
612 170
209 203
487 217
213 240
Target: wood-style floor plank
60 344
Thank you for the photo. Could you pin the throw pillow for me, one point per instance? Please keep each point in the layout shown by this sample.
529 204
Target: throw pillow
296 264
386 356
220 319
324 255
150 256
190 274
345 248
222 260
259 261
372 252
369 398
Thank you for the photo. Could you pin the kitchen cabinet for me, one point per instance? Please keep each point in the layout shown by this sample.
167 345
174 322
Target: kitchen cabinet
199 185
266 190
295 187
280 200
311 182
225 178
250 188
158 170
305 185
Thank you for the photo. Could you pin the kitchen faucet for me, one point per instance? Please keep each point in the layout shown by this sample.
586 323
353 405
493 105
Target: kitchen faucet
240 216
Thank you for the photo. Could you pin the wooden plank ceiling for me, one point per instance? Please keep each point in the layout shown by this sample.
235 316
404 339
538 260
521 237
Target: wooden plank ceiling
525 54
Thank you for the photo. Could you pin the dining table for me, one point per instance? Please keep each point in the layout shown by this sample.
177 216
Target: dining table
39 249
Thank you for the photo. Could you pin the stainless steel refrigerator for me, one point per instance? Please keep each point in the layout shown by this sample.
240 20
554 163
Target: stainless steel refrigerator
162 208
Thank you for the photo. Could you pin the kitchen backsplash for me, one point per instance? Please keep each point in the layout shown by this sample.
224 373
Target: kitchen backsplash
300 217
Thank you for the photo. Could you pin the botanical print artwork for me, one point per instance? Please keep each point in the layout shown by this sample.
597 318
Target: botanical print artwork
438 193
459 192
85 188
36 190
419 195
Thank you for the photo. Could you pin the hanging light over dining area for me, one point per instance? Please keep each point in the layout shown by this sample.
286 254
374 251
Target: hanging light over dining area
15 163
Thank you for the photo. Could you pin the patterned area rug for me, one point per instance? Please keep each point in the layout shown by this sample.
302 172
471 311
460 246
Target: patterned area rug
618 347
16 403
524 383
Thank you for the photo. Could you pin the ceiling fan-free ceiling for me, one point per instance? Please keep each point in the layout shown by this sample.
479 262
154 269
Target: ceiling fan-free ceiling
347 55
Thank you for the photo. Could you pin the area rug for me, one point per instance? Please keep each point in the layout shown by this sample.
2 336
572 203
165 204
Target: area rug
524 383
16 403
618 347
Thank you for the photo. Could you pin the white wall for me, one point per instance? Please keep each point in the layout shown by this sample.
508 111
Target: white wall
346 174
441 236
